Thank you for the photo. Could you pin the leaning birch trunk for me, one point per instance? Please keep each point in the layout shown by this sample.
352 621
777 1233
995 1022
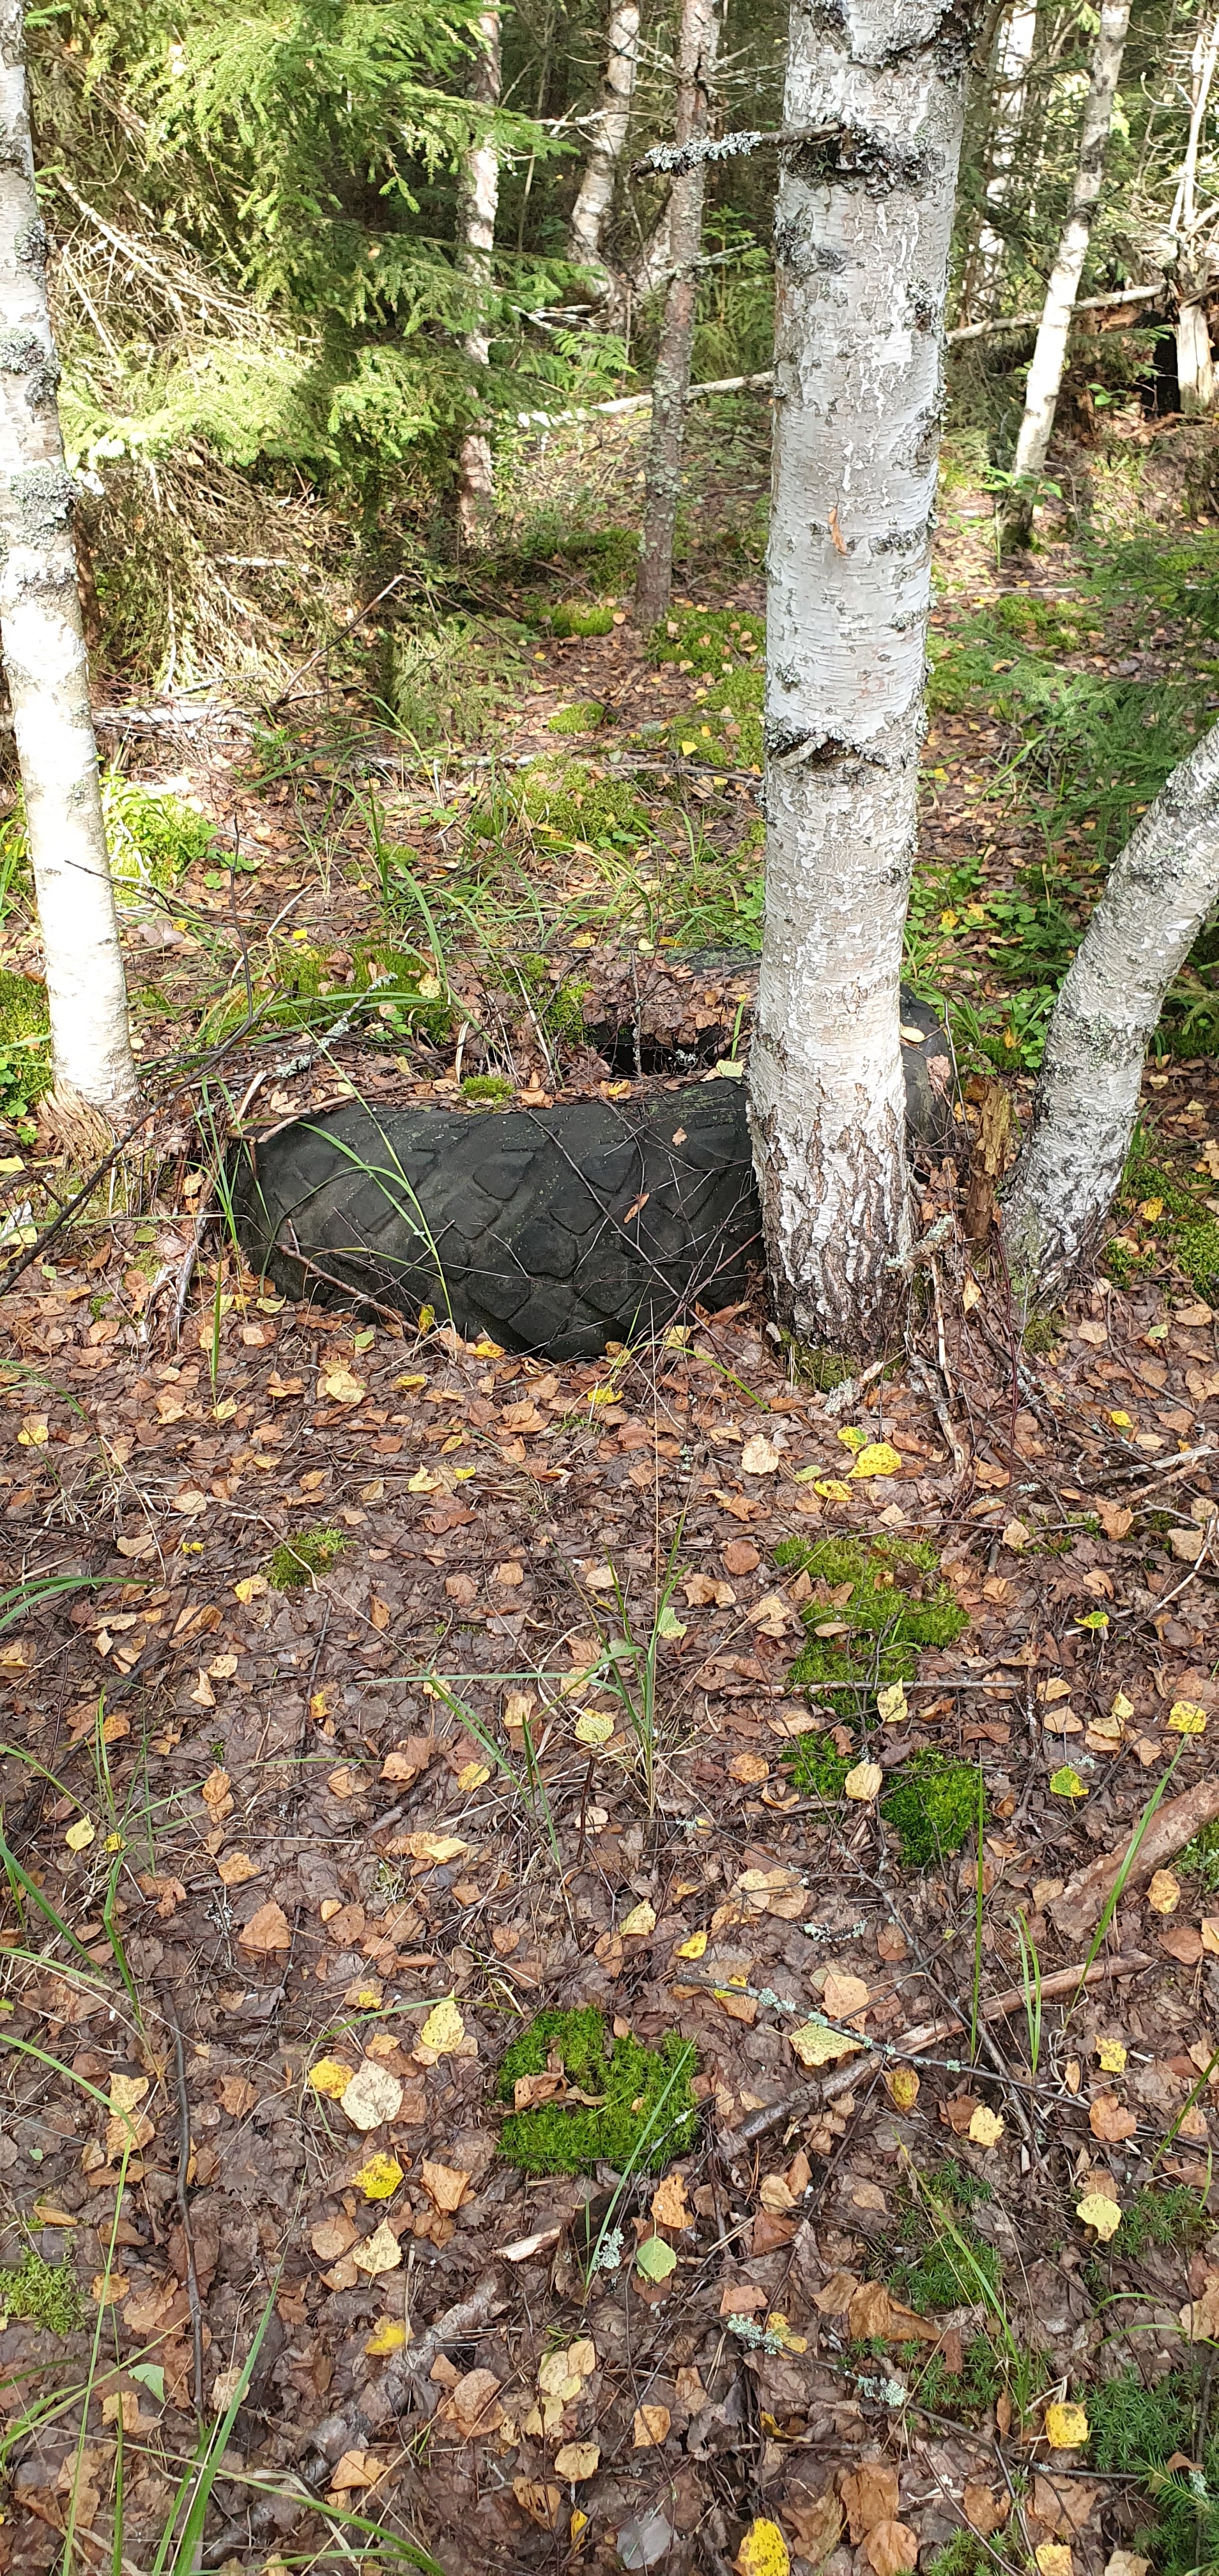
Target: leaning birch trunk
1049 356
608 140
477 206
671 376
862 240
44 647
1159 895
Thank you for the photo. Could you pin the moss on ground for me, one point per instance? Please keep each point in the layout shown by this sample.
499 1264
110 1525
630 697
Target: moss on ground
710 642
1171 2217
936 2257
640 2112
25 1046
37 2293
934 1808
297 1560
581 718
724 723
1182 1232
486 1088
563 800
898 1603
1137 2424
577 617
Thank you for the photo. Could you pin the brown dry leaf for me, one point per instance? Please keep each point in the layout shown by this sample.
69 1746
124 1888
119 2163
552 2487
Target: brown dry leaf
1053 2558
446 2185
578 2460
237 2095
1184 1943
873 2312
235 1869
473 2404
267 1930
669 2206
380 1613
870 2496
356 2469
1109 2120
379 2252
985 2512
749 1768
216 1795
844 1995
891 2548
836 2296
957 2113
817 2525
541 2503
651 2427
332 2237
1200 2316
1063 2504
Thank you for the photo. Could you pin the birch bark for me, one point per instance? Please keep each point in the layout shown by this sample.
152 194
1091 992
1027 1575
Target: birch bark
1049 356
608 140
1160 893
861 244
1011 77
477 206
671 377
1195 365
43 643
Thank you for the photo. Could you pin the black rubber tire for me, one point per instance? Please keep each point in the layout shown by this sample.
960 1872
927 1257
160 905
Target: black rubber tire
552 1230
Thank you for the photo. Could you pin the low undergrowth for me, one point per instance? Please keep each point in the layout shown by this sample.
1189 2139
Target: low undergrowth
627 2106
888 1594
296 1561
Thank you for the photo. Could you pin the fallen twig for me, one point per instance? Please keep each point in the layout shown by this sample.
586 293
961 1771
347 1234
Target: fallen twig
188 2241
1082 1900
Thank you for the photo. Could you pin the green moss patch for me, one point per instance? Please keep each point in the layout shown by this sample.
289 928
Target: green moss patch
897 1604
709 642
556 800
724 726
583 718
638 2110
25 1047
1170 2217
1184 1233
573 617
42 2294
934 1808
1137 2424
936 2257
486 1087
297 1560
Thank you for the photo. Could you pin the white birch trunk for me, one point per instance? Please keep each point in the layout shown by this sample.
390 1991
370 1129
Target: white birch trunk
861 240
44 647
1049 357
608 141
1011 75
477 207
671 377
1195 362
1160 893
1195 367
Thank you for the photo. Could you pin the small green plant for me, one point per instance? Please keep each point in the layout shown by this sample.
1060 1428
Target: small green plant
153 836
967 2391
297 1561
573 617
964 2554
42 2294
448 681
638 2111
939 2260
491 1087
710 643
934 1807
1138 2425
25 1049
582 718
898 1603
1200 1859
1169 2217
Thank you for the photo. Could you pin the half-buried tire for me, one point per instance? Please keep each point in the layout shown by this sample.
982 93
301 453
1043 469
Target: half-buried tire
551 1230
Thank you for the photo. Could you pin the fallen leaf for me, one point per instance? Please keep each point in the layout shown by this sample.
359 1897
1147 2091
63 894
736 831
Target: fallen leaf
878 1458
332 2237
1111 2056
444 2029
236 1869
1186 1719
655 2259
1122 2562
267 1930
1110 2121
79 1836
759 1457
473 2404
891 2548
356 2469
843 1995
870 2497
902 2086
892 1705
540 2503
1104 2215
1066 1783
985 2512
1066 2427
749 1768
763 2551
1053 2558
814 2045
379 2178
237 2095
446 2185
817 2525
864 1782
651 2427
331 2077
373 2095
389 2336
669 2206
1164 1893
577 2460
693 1948
379 2253
639 1922
985 2127
593 1728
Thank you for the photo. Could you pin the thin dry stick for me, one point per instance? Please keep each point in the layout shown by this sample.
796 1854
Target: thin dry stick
188 2241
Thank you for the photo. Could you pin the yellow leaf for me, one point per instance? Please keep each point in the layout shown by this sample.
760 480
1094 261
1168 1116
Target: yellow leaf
853 1439
423 1483
1104 2215
892 1705
1066 2427
1152 1209
1111 2056
343 1388
693 1948
832 1489
902 2086
687 748
577 2460
986 2127
1120 1420
251 1588
389 2336
444 2029
640 1921
34 1432
1164 1893
864 1782
1186 1719
1122 1708
763 2551
880 1458
814 2045
1053 2558
79 1836
473 1775
593 1728
331 2077
379 2177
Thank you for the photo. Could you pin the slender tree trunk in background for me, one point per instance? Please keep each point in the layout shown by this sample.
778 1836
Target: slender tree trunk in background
1049 356
1195 366
862 238
1160 893
44 647
1013 58
671 379
476 211
608 141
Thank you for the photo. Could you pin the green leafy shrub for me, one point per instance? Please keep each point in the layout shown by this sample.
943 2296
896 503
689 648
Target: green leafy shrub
641 2112
898 1603
42 2294
154 837
297 1560
1200 1859
447 682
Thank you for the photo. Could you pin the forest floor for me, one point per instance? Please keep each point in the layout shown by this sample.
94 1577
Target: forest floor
320 1778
